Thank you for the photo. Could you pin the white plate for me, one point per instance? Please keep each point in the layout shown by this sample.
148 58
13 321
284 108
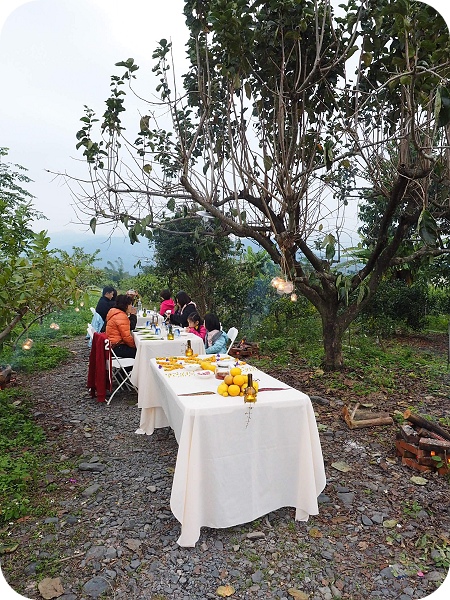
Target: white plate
192 367
224 363
204 374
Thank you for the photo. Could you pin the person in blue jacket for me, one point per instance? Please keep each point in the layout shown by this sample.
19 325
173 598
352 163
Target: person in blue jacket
216 340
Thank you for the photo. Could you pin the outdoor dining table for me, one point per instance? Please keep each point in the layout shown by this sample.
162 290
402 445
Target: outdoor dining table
236 462
146 349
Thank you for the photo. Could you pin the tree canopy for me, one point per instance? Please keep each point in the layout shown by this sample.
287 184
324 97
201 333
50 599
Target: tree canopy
34 280
292 113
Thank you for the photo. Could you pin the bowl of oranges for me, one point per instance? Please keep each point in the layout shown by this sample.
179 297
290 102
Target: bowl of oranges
234 383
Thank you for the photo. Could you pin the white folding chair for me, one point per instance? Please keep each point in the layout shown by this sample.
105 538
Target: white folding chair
92 309
120 374
232 335
90 331
118 365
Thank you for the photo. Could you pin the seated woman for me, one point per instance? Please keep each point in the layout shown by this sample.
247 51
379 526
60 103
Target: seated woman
167 303
195 325
185 307
118 328
216 340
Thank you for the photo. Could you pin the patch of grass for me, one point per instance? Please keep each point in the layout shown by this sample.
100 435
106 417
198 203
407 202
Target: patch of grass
20 440
46 353
40 357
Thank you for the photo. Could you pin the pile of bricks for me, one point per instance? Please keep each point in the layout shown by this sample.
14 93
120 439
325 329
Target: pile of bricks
423 449
244 349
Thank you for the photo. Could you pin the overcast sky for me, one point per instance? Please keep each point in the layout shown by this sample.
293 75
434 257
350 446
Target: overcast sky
58 55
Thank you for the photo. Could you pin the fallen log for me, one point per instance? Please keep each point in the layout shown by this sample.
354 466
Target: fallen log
370 420
429 425
429 434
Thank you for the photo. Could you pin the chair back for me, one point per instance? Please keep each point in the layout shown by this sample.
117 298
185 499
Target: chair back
97 325
92 309
232 335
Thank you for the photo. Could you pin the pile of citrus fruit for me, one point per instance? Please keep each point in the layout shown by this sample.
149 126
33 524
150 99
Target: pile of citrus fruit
235 383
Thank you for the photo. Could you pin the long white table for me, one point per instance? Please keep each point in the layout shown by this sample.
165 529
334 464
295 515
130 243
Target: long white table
148 349
234 463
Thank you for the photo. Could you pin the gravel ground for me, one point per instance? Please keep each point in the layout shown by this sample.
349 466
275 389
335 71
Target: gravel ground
108 530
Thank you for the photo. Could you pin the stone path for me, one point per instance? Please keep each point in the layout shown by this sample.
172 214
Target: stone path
108 530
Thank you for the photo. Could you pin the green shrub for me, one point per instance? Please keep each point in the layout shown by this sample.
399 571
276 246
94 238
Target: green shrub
397 305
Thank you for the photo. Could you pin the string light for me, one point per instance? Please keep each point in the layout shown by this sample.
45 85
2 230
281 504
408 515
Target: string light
54 326
77 309
27 344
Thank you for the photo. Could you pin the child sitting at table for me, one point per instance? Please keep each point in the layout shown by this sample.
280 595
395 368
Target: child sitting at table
167 305
195 325
216 340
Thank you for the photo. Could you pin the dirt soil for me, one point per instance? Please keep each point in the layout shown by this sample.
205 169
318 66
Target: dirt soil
379 534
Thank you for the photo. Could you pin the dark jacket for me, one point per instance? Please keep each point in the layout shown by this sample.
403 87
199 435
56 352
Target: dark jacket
180 318
103 305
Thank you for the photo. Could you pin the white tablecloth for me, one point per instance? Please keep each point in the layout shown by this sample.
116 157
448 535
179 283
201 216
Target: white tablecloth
230 468
146 350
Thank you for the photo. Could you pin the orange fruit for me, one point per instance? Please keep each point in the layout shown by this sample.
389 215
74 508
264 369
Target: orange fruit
207 366
235 371
228 379
234 390
239 380
222 389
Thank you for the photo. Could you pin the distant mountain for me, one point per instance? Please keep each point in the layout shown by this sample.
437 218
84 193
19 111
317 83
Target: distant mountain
111 248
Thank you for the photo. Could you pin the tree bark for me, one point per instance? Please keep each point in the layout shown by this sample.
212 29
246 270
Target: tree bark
332 341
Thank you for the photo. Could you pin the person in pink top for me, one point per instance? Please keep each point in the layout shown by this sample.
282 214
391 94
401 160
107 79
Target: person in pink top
167 305
195 325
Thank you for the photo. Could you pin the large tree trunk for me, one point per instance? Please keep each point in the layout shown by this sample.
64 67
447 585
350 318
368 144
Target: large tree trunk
332 340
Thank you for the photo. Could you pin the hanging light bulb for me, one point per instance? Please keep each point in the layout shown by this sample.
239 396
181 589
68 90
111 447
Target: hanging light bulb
27 344
54 326
293 297
81 303
77 309
276 282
